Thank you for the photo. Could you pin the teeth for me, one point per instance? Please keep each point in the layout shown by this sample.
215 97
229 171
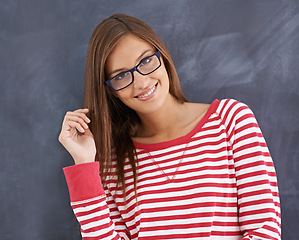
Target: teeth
148 93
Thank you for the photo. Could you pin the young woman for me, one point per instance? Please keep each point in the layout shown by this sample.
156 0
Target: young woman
151 165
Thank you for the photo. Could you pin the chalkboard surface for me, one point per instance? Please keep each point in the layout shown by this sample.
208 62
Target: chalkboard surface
246 50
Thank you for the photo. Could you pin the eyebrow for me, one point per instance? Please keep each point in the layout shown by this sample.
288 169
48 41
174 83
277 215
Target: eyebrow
137 60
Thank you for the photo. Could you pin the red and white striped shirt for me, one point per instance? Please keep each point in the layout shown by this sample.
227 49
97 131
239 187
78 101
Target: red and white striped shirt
216 182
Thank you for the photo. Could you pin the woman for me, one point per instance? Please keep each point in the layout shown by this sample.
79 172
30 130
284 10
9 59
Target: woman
151 165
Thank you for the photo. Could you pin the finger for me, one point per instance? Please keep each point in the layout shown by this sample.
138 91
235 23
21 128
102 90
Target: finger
78 114
77 126
73 118
77 119
83 110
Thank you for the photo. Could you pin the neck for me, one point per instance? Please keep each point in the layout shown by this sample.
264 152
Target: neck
163 122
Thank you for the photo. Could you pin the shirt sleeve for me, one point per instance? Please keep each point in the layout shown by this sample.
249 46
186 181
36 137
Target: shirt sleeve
89 203
258 199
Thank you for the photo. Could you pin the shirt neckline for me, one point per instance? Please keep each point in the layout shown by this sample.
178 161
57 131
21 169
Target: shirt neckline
161 145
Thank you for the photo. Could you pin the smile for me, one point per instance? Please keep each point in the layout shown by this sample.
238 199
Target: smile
147 94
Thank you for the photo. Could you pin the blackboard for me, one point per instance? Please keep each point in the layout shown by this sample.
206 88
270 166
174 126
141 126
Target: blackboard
246 50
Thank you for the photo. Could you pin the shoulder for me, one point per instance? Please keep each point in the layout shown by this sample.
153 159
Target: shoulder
225 108
232 108
234 113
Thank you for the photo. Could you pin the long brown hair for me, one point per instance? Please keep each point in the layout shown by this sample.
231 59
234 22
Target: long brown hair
111 120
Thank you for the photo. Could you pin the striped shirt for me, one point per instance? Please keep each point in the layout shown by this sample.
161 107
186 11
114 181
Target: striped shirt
216 182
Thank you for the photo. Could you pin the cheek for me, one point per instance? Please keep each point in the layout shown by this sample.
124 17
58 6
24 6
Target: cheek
163 73
163 78
124 95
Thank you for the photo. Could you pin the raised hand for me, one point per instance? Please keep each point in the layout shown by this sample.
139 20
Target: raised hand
80 146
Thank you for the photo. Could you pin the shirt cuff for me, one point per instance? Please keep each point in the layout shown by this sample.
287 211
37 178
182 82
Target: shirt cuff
84 181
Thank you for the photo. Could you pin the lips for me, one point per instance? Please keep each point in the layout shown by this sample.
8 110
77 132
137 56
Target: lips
148 94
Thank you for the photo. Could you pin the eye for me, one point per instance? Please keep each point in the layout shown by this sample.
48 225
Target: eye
146 61
121 76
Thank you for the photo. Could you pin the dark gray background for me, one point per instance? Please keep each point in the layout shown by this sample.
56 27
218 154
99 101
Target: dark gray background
246 50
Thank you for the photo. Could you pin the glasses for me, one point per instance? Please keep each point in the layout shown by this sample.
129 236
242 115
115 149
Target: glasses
145 67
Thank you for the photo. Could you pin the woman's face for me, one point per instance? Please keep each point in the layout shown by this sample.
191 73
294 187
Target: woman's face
148 92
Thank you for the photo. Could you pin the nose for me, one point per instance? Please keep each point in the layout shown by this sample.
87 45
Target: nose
140 81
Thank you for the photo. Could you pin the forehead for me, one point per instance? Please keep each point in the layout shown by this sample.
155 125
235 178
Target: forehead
126 52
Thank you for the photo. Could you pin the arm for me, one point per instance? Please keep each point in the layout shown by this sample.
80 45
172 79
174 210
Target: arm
88 200
258 200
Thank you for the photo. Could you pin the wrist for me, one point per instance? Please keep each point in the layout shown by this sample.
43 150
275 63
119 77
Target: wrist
84 160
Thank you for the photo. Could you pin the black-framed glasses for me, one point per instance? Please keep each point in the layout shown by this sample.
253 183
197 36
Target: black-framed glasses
145 67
